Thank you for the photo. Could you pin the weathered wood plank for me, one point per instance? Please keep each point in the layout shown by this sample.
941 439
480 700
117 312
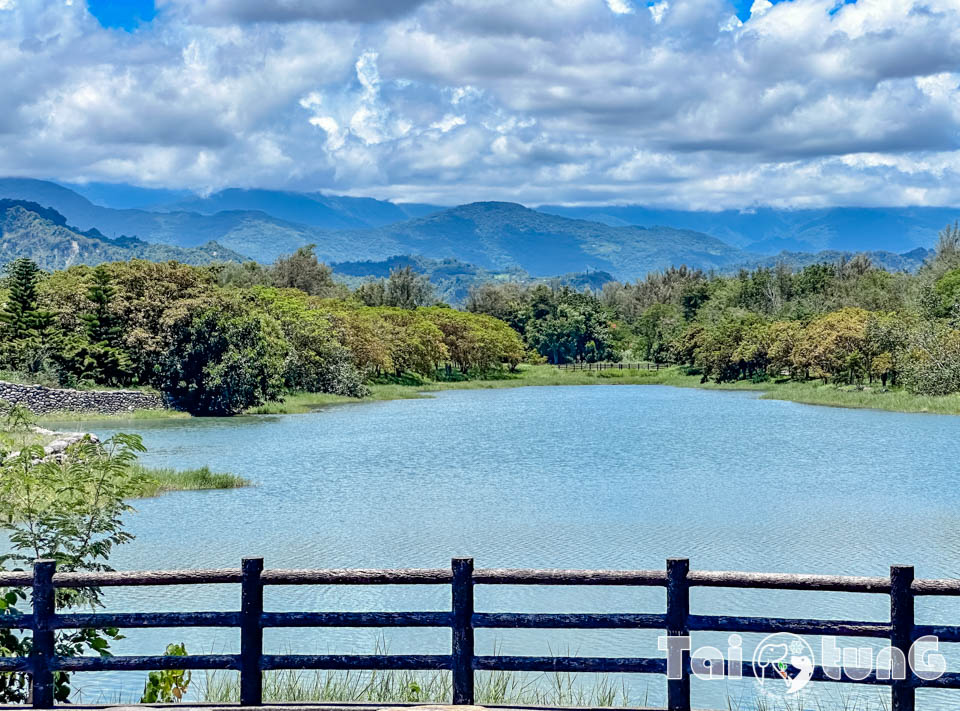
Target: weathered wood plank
631 665
43 649
359 576
131 620
587 621
412 662
901 634
462 638
521 576
788 581
251 633
357 619
936 587
678 614
147 663
725 623
147 577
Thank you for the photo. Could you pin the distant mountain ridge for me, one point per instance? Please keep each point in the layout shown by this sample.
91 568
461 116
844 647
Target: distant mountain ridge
43 235
907 262
452 279
625 240
770 231
498 236
313 209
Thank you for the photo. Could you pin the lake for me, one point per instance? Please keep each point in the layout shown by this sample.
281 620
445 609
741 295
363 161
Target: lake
570 477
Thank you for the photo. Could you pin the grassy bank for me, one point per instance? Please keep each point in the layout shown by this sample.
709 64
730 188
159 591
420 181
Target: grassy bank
410 387
162 481
67 417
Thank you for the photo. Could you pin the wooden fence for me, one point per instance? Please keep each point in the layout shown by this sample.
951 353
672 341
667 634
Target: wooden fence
609 366
462 619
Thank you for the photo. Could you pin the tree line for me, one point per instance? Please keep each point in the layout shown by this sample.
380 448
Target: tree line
218 340
848 322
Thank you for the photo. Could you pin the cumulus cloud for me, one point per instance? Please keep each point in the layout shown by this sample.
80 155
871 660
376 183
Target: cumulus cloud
803 103
244 11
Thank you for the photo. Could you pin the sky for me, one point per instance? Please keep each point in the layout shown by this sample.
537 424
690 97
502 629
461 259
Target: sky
693 104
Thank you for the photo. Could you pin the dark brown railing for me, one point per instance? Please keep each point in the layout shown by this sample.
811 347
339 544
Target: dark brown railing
462 619
609 366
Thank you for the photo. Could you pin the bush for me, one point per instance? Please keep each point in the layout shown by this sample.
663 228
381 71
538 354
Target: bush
226 359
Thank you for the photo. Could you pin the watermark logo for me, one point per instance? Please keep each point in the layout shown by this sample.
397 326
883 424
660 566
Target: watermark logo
786 663
784 656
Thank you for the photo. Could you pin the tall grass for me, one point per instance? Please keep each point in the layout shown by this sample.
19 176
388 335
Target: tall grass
161 481
499 688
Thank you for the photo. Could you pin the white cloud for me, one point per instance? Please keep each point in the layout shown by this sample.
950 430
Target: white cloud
658 10
457 100
620 7
448 122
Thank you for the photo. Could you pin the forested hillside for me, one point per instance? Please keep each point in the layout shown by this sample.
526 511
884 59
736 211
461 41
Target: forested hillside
41 234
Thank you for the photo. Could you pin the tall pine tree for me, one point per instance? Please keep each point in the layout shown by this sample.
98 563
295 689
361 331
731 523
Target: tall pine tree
27 330
103 357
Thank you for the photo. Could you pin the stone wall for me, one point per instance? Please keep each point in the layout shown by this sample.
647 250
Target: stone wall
41 400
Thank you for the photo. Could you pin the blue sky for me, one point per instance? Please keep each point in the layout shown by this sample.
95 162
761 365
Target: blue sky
672 103
129 14
125 14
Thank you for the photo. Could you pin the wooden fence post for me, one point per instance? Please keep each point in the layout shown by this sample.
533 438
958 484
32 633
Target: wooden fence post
462 631
251 632
42 651
678 613
901 634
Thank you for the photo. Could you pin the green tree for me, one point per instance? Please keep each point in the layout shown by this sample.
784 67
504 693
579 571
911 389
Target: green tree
406 289
103 353
28 331
301 270
224 359
70 511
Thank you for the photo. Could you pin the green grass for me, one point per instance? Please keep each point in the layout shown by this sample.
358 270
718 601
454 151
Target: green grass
15 440
161 481
557 689
386 687
810 392
65 418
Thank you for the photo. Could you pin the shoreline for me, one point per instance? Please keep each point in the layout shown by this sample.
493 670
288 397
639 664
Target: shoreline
804 393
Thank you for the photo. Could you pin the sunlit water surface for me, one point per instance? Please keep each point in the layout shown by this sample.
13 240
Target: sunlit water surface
570 477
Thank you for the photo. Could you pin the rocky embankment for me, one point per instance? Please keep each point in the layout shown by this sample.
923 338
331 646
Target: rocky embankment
56 448
42 400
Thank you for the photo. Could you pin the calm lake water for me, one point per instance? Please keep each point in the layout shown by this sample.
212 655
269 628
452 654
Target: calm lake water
572 477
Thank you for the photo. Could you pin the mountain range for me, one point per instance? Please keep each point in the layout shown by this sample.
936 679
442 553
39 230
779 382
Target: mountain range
43 235
625 241
453 279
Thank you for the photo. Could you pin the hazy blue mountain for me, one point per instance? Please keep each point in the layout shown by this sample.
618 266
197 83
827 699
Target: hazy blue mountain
121 196
43 235
267 236
453 279
498 235
231 217
892 262
770 231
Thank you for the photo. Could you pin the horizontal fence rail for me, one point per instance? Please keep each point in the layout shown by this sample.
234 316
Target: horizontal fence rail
609 366
462 619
